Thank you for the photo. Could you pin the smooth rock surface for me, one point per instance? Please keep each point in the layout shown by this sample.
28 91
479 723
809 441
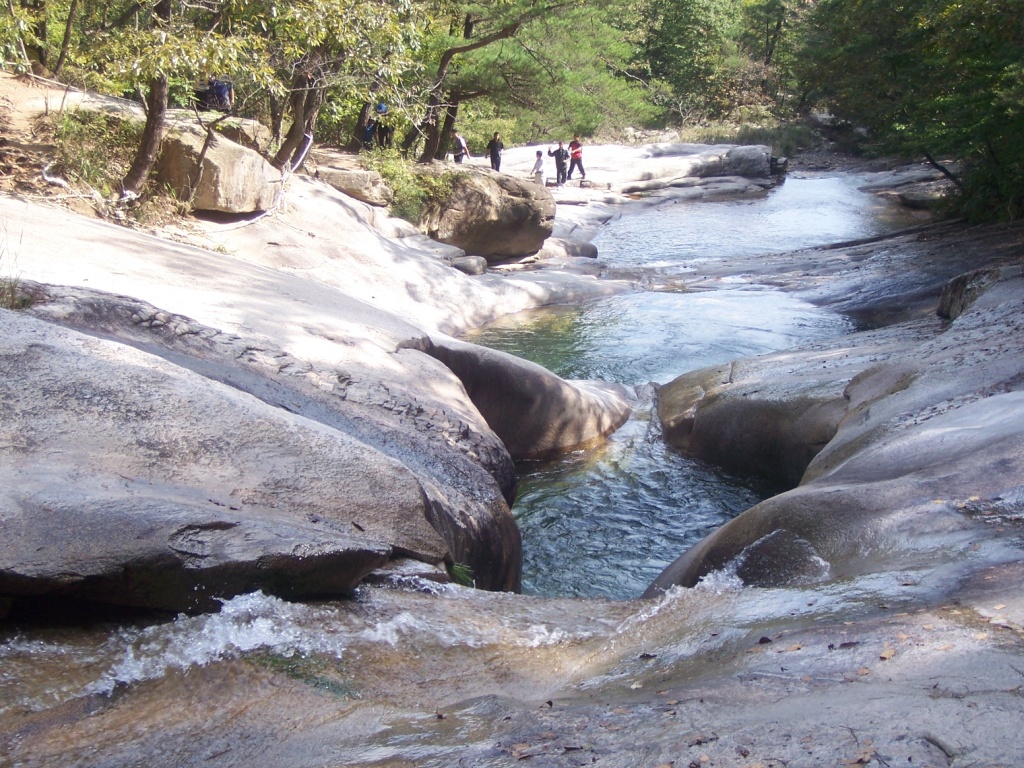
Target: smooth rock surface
493 215
899 433
535 413
230 178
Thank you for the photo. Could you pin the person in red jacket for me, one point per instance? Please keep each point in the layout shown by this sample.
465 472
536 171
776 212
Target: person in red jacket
576 157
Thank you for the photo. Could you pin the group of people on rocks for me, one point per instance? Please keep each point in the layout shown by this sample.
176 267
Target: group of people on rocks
566 160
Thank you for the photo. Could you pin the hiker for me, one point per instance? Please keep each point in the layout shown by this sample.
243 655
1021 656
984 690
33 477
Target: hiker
561 158
385 130
576 157
461 148
538 168
494 148
218 94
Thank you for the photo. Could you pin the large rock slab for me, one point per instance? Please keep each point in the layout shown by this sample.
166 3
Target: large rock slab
536 413
464 472
493 215
135 481
224 176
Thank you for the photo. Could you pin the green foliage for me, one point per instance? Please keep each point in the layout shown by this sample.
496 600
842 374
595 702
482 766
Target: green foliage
16 30
685 47
94 148
414 189
461 574
930 78
11 294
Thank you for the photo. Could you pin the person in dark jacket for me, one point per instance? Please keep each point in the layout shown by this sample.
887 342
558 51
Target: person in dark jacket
494 149
561 161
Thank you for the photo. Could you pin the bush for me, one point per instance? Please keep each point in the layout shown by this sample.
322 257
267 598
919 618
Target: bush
94 148
414 188
785 139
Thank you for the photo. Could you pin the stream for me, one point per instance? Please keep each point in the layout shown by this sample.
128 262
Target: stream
356 682
606 521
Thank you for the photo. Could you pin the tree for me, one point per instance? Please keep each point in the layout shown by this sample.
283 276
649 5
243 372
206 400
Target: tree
471 27
684 44
931 79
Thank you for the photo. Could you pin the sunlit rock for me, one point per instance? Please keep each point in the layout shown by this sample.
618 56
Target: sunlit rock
493 215
535 413
216 175
927 432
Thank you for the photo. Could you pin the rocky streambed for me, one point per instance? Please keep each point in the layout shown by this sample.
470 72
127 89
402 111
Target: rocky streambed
286 412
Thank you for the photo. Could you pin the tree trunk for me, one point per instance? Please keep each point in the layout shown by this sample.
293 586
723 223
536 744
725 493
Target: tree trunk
306 101
39 28
445 137
66 42
430 129
356 142
152 135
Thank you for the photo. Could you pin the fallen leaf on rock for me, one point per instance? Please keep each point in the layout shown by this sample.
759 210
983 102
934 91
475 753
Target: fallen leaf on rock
998 607
929 627
636 686
863 671
981 636
887 654
945 647
796 647
805 679
620 711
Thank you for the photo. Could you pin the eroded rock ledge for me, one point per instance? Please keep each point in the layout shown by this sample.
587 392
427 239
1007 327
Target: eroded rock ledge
887 435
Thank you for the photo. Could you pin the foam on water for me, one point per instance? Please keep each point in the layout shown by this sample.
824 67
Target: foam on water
245 623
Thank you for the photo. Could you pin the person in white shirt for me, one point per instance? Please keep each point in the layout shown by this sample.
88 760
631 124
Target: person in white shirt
461 148
538 168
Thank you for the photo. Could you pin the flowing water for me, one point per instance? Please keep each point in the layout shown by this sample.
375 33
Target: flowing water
266 675
605 522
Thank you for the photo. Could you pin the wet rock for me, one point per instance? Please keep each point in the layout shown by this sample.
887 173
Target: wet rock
930 415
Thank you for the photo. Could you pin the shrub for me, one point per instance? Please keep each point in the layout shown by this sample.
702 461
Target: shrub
415 189
94 148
